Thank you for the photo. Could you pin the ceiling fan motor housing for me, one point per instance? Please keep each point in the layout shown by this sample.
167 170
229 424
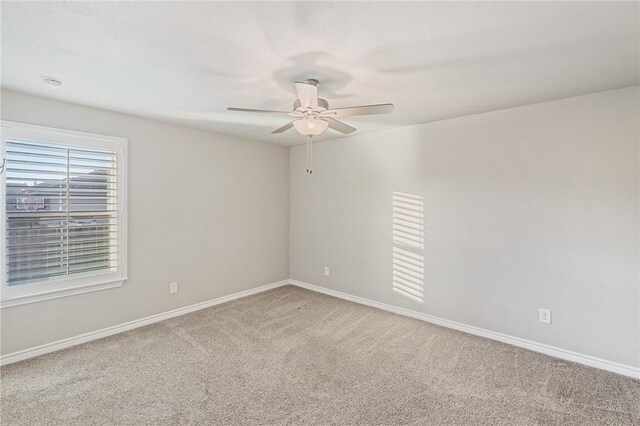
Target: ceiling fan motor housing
323 105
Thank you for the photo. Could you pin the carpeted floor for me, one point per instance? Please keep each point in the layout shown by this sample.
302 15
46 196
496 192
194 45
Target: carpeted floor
291 356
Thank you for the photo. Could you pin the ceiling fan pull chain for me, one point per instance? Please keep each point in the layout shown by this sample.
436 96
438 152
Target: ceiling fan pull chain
308 137
310 154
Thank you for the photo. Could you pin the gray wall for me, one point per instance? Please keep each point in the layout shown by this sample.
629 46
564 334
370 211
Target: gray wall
524 208
206 210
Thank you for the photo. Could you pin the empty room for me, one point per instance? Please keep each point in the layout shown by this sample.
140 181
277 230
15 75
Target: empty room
320 213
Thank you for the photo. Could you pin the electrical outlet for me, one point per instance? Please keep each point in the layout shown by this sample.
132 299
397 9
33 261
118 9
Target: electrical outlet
544 315
326 271
173 287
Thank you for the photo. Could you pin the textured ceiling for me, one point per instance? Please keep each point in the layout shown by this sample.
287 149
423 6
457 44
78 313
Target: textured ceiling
186 62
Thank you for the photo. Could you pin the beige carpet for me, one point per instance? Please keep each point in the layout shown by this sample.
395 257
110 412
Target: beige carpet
291 356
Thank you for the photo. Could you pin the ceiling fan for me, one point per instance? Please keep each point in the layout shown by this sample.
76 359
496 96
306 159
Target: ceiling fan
313 115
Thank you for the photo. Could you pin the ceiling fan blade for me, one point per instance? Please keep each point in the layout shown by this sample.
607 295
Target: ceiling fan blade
267 111
283 128
339 125
360 110
308 94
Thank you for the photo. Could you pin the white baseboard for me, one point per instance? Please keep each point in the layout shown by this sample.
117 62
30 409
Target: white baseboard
564 354
109 331
515 341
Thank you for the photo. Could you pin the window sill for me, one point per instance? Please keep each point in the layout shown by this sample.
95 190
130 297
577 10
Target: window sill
56 294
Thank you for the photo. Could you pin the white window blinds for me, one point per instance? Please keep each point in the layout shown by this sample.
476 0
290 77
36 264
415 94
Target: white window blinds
61 211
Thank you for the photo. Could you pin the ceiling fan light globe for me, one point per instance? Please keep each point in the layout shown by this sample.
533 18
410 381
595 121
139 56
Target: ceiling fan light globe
310 126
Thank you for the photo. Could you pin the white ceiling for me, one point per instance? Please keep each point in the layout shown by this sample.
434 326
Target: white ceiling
186 62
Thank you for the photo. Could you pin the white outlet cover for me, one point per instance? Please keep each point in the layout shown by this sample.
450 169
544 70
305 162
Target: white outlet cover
173 287
544 315
326 271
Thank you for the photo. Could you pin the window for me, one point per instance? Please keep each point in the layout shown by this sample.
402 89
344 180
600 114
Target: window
64 213
408 245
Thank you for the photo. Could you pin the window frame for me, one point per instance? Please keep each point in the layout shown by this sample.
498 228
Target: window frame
65 285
